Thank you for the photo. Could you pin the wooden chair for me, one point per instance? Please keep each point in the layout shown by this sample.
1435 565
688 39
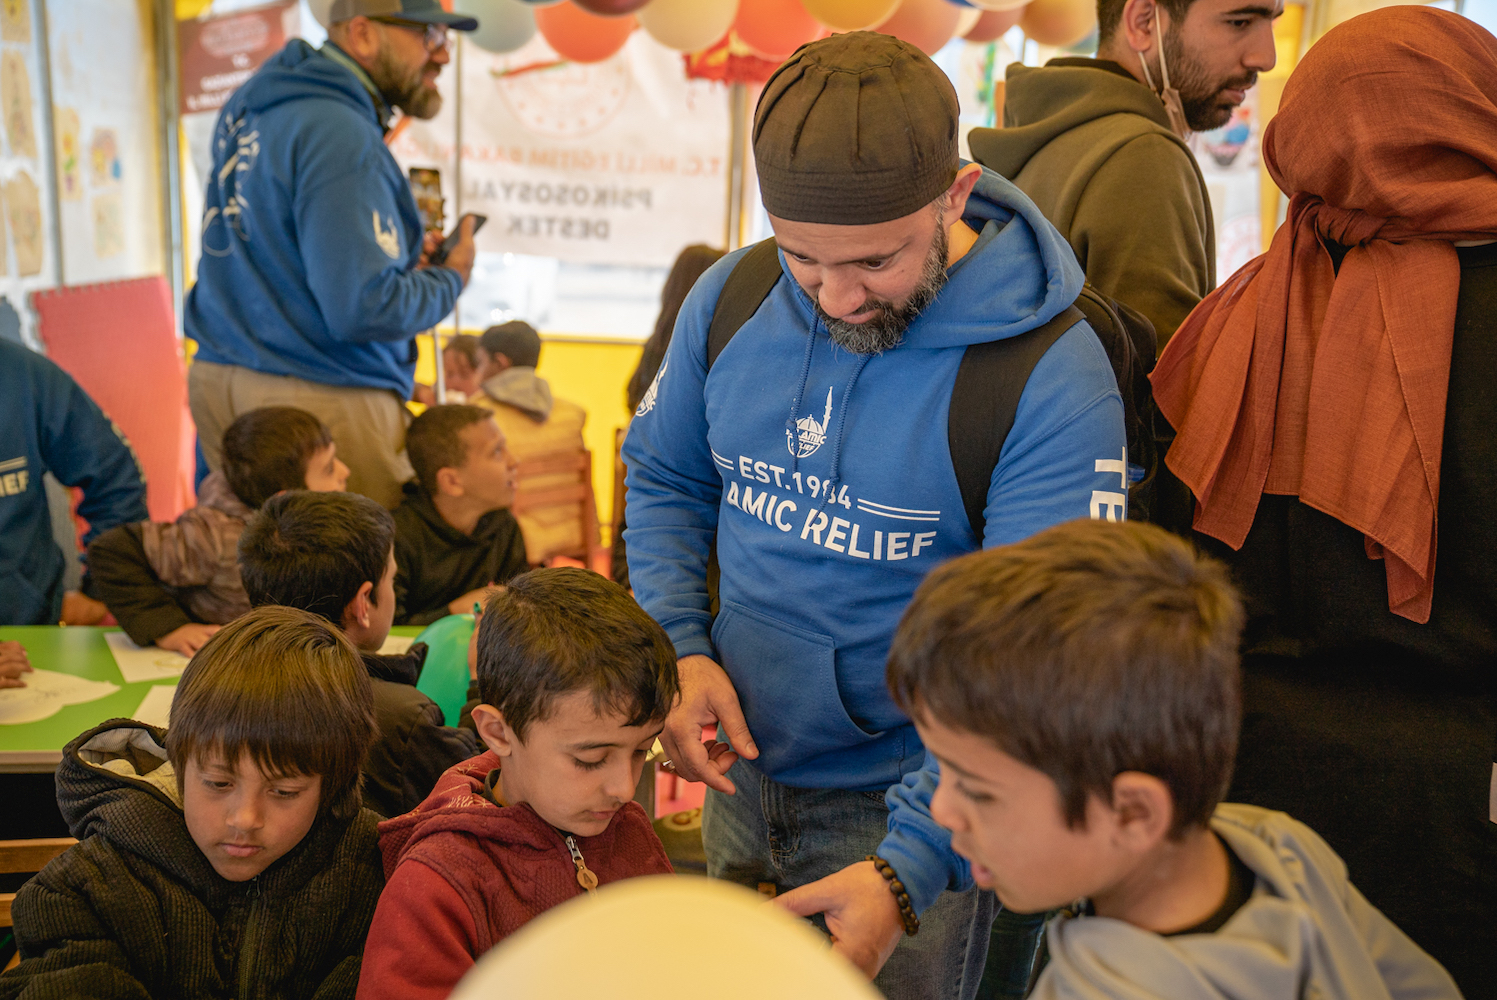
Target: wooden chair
567 484
616 515
22 857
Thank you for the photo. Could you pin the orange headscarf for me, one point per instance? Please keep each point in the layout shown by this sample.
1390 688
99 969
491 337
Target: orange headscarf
1292 380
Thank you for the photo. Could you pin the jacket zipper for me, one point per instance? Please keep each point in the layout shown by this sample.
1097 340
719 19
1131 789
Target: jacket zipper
248 947
585 876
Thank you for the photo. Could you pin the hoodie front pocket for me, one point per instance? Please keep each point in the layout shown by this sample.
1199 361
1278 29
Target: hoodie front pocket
786 679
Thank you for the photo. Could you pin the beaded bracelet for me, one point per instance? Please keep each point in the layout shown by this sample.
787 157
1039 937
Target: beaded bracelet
906 911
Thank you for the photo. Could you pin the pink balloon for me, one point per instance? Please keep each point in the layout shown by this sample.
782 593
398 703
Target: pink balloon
994 24
925 24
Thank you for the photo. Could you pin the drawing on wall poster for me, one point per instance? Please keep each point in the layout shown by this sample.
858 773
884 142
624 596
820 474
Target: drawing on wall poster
15 20
15 94
23 209
69 156
109 225
104 155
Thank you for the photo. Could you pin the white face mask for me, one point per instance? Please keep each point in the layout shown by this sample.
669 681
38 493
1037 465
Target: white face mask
1173 109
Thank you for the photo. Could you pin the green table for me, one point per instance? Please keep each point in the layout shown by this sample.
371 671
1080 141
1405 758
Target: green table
81 651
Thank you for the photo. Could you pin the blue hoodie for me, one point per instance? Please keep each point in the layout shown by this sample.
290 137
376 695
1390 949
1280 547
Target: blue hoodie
826 479
49 424
310 235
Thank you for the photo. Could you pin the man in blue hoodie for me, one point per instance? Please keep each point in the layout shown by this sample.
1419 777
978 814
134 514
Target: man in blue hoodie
314 277
815 454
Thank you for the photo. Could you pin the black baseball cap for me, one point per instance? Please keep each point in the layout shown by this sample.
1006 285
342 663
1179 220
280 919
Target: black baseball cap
415 11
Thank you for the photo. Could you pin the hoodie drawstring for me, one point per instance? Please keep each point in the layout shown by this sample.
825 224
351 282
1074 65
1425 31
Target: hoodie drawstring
800 393
836 477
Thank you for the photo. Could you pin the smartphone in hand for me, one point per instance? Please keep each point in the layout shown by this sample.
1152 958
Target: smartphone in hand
451 241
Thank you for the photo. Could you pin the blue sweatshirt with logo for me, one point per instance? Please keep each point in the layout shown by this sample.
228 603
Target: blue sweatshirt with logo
49 424
311 234
826 479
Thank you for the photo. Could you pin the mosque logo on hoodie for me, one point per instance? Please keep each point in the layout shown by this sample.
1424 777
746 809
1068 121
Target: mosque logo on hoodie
648 402
809 435
388 239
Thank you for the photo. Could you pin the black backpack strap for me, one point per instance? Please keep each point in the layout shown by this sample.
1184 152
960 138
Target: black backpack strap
749 284
984 400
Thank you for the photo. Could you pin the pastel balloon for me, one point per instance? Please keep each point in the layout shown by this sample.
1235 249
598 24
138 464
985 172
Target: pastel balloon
503 25
688 25
611 8
850 15
1059 22
966 20
993 24
925 24
774 28
581 36
998 4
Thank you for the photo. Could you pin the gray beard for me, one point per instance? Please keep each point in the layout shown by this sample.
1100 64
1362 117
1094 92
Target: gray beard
885 331
404 91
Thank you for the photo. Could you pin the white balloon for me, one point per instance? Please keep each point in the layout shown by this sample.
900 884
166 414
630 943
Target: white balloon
687 25
967 20
503 25
608 945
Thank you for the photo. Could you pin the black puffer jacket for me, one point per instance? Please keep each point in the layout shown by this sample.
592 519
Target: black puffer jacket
136 910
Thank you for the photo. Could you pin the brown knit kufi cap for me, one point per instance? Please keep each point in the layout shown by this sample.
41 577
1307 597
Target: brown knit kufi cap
855 129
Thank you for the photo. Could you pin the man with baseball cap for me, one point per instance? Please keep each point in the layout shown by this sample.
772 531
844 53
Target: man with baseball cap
314 276
815 449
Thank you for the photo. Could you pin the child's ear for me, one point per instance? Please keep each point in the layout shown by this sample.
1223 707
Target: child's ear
449 482
1142 809
356 612
494 731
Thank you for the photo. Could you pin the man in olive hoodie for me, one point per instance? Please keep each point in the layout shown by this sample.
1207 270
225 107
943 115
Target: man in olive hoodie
1099 144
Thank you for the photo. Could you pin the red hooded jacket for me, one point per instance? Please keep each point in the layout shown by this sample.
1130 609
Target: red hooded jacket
463 873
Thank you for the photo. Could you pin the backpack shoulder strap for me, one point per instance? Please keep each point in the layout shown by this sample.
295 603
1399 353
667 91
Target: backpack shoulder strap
749 284
984 400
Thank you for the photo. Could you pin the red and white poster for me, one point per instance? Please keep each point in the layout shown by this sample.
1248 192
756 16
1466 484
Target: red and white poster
217 54
619 162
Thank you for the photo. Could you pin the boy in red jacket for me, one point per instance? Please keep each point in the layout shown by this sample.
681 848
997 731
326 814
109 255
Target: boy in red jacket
575 682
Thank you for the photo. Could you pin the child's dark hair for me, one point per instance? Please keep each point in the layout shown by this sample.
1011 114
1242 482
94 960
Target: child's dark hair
516 340
1087 650
465 344
554 631
289 690
313 551
267 450
432 440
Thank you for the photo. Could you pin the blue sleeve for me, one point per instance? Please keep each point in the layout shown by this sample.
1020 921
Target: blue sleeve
353 245
1066 458
674 485
84 448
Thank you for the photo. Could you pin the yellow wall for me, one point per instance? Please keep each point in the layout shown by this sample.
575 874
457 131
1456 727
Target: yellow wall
591 374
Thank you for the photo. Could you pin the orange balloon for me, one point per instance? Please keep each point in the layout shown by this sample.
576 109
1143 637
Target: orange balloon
774 28
994 24
850 15
580 36
1059 22
925 24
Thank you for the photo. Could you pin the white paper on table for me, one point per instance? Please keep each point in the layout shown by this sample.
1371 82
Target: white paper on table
396 645
156 707
45 693
144 663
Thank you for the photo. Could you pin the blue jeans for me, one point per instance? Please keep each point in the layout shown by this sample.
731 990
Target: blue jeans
770 832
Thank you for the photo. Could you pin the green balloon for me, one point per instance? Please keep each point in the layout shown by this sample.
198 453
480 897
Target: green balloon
444 679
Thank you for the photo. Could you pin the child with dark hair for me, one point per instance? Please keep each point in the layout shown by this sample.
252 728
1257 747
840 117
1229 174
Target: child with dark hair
228 855
1080 690
174 584
575 682
333 554
461 367
455 538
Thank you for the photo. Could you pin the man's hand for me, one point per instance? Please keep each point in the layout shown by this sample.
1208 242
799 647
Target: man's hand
429 243
464 605
861 913
707 698
424 394
13 663
187 639
80 609
462 256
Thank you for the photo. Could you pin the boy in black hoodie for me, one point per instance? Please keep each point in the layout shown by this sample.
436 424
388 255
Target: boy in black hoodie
333 554
455 539
227 856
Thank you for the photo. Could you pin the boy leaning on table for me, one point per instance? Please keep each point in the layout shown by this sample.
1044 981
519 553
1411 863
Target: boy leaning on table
14 665
227 856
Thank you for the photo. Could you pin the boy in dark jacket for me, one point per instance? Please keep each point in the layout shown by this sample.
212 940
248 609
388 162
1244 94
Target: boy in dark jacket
227 856
575 681
175 584
333 554
455 538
